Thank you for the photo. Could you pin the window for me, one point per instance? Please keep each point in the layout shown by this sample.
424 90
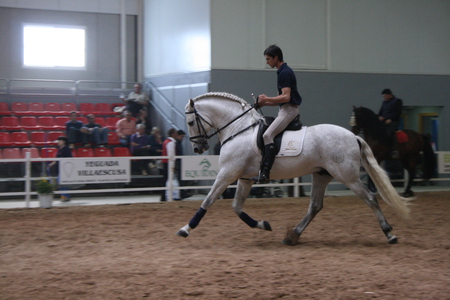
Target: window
54 47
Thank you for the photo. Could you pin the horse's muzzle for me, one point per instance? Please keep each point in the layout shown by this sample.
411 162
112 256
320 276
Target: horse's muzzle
200 148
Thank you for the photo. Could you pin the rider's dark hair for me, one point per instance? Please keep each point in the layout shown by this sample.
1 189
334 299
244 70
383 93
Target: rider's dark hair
274 50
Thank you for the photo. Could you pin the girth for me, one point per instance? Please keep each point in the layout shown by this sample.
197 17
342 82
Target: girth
296 124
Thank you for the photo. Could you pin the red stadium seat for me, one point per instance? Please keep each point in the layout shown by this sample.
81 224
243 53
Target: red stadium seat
36 108
29 123
85 152
121 151
20 108
69 107
46 123
87 108
10 123
48 152
4 110
54 109
103 109
20 139
101 121
5 139
33 151
102 152
11 153
38 138
52 136
111 122
113 139
83 120
60 122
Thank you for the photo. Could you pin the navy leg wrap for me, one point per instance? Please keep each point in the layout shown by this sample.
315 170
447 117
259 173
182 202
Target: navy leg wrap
197 218
248 220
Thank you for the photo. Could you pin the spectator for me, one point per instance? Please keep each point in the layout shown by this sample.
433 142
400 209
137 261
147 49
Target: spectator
125 127
136 100
94 133
73 132
155 141
143 119
63 151
390 113
139 147
179 151
169 149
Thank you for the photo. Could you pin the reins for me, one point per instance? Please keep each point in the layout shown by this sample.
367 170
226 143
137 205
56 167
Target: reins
205 137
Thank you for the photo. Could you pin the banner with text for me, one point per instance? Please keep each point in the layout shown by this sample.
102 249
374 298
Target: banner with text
200 167
94 170
444 162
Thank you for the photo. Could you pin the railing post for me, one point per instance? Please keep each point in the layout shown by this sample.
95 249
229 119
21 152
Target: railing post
296 187
27 179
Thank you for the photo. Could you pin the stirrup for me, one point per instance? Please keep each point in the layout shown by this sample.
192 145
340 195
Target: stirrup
260 179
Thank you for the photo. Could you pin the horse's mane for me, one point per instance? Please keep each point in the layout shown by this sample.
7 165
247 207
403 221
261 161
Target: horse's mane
370 123
222 95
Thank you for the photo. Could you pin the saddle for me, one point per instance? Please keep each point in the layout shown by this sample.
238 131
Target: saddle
401 136
296 124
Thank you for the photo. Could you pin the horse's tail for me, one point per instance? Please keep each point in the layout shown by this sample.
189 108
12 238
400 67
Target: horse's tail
381 181
429 159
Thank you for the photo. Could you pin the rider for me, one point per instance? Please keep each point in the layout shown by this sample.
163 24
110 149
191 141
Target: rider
389 114
288 99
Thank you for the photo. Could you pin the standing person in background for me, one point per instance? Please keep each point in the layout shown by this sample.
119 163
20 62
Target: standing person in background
390 113
288 100
63 151
179 151
73 130
136 100
143 119
94 133
125 127
169 149
139 147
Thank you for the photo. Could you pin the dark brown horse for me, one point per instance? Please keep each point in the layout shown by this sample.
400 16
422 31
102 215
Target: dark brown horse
376 135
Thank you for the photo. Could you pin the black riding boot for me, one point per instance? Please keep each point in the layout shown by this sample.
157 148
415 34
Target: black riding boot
266 164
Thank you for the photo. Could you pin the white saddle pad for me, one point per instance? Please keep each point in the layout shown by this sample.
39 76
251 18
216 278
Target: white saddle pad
291 143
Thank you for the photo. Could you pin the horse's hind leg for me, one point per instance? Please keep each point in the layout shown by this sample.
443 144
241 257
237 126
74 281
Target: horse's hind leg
319 185
371 200
242 192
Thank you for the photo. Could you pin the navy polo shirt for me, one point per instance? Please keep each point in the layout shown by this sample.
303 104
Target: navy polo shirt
286 78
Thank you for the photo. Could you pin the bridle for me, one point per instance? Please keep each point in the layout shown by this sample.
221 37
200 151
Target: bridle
203 136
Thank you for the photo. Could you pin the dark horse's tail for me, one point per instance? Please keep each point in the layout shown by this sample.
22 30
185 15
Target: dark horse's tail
429 159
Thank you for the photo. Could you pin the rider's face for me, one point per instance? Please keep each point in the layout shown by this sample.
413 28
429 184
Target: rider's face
271 61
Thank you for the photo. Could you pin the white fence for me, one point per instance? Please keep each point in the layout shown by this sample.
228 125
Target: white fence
28 179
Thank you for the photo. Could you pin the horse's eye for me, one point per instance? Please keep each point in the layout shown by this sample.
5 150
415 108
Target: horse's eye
191 123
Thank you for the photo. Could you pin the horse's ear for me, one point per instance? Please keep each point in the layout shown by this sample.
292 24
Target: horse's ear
191 103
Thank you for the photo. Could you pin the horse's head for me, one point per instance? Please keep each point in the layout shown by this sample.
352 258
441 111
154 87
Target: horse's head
198 128
354 120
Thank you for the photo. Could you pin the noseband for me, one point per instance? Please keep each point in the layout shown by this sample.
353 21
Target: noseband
203 137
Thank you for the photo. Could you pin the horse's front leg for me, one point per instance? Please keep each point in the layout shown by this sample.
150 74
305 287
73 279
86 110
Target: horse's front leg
243 189
219 186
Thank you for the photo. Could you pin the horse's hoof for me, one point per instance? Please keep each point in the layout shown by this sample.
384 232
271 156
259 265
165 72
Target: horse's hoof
408 194
392 240
289 242
266 226
183 233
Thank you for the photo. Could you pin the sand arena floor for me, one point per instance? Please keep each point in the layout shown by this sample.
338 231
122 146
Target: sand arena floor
132 252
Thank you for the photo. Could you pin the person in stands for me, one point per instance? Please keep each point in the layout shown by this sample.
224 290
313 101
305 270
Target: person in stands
125 127
94 133
143 119
139 147
136 100
73 130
